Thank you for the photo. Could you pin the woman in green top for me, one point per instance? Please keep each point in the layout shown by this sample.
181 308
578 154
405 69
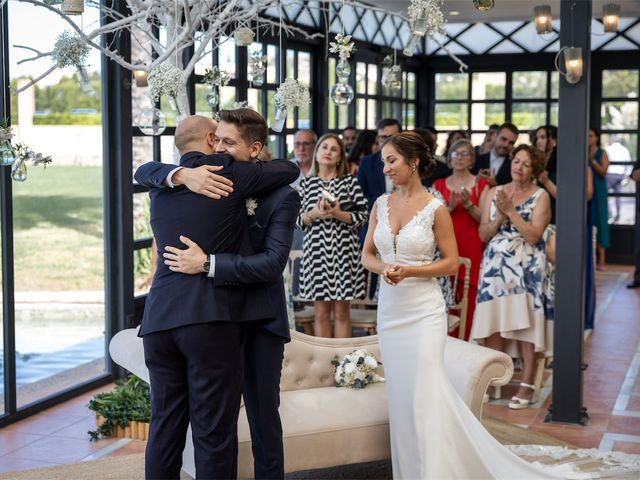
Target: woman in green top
599 163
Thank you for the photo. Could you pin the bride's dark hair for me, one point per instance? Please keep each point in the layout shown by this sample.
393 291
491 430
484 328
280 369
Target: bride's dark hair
411 145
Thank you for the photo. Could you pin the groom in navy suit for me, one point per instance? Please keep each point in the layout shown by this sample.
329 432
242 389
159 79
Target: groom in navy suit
193 330
271 222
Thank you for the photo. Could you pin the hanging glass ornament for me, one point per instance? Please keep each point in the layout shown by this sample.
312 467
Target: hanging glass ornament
419 25
257 68
411 45
83 80
213 97
7 154
342 93
19 171
280 118
152 121
176 106
483 5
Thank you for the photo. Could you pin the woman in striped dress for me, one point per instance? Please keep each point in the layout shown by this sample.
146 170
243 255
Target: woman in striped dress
333 207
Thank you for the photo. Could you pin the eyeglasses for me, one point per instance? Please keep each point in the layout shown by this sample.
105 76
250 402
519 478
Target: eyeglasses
302 144
460 155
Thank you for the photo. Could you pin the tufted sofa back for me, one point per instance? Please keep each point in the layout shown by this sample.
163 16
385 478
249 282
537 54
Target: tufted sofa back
307 359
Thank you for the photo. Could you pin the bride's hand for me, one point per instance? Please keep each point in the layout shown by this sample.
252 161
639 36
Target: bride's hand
394 274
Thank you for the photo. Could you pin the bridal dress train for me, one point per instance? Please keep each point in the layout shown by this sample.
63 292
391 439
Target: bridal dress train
434 435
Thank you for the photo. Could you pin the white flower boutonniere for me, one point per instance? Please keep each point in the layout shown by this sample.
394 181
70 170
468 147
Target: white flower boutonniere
251 204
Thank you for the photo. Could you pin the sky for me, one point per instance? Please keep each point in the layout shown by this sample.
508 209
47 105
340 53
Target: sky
43 27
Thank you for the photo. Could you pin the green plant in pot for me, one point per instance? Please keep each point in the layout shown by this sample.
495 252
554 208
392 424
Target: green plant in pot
130 401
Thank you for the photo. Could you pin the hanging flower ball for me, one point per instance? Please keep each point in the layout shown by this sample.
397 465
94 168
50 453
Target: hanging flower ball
70 50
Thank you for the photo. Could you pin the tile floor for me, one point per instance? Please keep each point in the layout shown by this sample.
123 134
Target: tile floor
611 394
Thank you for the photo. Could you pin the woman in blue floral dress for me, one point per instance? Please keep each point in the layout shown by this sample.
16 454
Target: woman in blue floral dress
510 312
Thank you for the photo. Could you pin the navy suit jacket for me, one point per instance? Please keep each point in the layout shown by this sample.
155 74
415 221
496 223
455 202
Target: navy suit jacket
271 234
218 226
371 177
484 161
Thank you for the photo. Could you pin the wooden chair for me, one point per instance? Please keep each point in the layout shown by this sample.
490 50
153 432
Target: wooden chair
461 306
305 316
364 312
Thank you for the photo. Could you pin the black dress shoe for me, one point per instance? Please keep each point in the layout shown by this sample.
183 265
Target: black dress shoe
634 284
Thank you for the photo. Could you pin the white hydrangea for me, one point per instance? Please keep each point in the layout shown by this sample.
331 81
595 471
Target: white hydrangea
290 94
165 79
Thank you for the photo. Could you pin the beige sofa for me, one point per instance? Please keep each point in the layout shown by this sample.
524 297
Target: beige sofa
326 426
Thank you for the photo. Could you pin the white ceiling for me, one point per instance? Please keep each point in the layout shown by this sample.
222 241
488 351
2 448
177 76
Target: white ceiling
506 9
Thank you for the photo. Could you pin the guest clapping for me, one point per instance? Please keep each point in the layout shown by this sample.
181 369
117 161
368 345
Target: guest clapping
333 206
510 313
464 193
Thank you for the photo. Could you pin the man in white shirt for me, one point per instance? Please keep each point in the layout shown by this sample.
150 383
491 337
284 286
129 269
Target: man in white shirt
495 166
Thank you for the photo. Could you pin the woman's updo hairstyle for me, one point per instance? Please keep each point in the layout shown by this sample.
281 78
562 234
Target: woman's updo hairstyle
411 145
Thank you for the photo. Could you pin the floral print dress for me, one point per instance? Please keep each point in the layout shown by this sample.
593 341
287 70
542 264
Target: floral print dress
513 287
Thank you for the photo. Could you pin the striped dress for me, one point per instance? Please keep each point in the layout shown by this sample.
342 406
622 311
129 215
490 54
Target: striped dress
331 267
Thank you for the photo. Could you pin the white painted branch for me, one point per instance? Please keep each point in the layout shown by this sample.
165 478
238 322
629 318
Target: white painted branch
34 81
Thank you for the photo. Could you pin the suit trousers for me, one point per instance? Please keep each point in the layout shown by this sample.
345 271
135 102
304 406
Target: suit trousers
264 352
196 376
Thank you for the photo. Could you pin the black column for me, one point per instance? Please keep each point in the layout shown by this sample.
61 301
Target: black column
118 186
575 17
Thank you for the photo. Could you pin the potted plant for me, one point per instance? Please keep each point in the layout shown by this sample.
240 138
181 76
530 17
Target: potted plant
123 412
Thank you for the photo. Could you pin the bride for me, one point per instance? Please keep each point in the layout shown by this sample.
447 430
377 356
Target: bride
433 433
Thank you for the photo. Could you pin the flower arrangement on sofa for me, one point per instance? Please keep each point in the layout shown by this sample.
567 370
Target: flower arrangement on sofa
356 370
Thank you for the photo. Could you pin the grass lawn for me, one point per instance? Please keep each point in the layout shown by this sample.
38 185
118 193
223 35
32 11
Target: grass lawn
58 229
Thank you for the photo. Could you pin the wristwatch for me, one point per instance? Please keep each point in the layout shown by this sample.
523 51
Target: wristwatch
206 266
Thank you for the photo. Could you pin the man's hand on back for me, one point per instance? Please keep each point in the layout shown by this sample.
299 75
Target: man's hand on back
188 261
204 181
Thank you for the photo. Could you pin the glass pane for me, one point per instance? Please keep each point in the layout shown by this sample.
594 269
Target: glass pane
141 225
143 269
451 116
227 97
168 151
343 117
60 340
304 67
271 109
527 116
254 98
620 83
621 150
554 114
227 56
202 107
529 84
555 86
488 85
205 62
289 141
372 118
386 110
290 64
304 117
409 113
411 86
620 147
361 113
361 77
619 115
452 86
485 114
142 151
272 52
372 79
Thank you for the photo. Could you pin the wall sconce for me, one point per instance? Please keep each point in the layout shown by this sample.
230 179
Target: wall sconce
140 77
572 64
610 17
542 18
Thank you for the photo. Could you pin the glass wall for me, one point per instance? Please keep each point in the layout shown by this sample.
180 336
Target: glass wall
619 125
472 102
57 216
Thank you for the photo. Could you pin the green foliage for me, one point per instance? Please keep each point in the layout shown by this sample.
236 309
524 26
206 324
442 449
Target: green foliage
59 100
130 401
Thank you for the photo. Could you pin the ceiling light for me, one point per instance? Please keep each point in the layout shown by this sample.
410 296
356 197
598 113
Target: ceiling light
454 13
542 17
483 5
610 17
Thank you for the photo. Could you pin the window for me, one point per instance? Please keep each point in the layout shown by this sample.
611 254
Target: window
619 125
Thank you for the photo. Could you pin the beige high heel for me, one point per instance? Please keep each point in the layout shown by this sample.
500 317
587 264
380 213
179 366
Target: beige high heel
518 403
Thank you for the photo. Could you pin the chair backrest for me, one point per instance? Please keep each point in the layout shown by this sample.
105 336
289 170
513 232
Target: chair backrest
372 289
293 267
461 304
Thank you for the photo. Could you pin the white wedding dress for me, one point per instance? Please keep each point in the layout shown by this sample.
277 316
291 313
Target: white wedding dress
434 435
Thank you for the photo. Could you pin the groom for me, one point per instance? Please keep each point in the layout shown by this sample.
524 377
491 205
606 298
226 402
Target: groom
270 230
192 330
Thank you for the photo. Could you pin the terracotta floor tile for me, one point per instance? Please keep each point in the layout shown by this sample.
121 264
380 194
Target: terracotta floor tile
626 425
519 417
41 424
79 429
10 441
60 449
135 446
578 436
634 404
627 447
15 463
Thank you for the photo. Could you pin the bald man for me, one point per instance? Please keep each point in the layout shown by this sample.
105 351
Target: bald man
192 330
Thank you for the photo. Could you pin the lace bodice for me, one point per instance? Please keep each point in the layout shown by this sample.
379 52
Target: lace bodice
414 244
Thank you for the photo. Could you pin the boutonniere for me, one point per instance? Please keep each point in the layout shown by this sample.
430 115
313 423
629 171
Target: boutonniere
251 204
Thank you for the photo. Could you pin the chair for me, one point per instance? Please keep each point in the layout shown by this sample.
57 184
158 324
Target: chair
461 306
304 317
364 312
